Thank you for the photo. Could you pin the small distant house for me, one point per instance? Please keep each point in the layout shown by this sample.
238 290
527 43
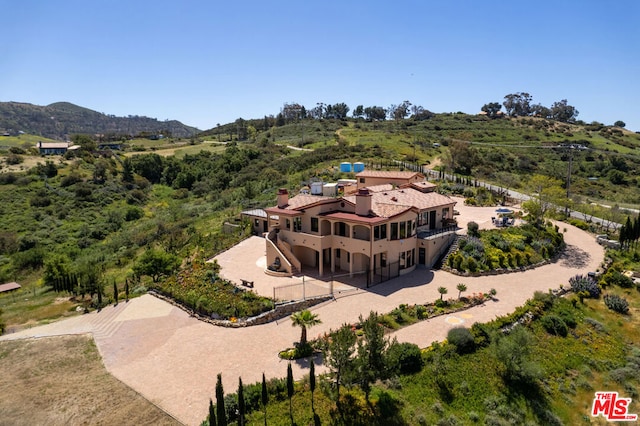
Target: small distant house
4 288
52 148
110 145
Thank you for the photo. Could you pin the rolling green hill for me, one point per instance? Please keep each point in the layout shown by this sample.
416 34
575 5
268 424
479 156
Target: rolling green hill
605 160
62 119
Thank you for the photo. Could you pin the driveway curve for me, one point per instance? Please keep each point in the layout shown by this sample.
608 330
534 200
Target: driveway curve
172 359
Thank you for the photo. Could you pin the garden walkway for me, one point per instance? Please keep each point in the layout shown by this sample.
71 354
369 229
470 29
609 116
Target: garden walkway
172 359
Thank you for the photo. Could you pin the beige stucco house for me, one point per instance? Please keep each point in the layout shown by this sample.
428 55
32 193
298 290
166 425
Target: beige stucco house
382 231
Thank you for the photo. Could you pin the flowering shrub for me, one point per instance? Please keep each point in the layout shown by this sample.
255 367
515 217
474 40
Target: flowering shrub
616 303
581 283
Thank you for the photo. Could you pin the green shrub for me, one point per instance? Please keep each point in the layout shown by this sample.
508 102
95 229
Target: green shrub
481 334
567 315
133 213
615 277
441 303
518 259
472 265
472 229
389 322
462 339
579 224
616 303
404 358
457 261
554 325
421 312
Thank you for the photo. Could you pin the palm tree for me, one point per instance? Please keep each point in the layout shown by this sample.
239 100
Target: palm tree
304 319
442 291
461 287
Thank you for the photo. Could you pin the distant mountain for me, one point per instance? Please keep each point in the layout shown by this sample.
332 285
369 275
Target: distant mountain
61 119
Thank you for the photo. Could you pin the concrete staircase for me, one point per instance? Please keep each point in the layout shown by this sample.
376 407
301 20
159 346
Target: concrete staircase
285 252
442 260
103 323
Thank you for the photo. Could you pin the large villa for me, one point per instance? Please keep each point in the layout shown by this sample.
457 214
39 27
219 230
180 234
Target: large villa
383 226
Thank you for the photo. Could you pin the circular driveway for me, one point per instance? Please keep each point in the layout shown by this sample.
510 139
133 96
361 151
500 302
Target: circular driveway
172 359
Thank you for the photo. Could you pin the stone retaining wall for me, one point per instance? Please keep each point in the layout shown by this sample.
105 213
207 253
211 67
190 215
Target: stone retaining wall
280 311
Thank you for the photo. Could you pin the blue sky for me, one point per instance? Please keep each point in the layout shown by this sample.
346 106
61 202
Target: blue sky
207 62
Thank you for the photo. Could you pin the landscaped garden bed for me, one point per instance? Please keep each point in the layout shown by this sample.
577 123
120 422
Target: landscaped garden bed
402 316
504 250
201 289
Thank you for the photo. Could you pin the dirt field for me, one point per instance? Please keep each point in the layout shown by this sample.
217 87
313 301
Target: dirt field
62 381
28 162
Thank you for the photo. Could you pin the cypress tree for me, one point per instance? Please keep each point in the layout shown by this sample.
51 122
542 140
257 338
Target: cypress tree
126 289
115 291
99 290
212 414
241 403
626 233
221 415
290 389
265 398
312 382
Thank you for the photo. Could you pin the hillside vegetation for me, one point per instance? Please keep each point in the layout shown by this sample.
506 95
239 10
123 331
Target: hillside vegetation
62 119
106 209
94 220
540 365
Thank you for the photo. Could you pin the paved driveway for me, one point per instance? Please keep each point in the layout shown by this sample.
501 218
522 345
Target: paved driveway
172 359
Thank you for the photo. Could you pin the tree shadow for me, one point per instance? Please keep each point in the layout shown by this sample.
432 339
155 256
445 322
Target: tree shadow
532 393
306 362
574 257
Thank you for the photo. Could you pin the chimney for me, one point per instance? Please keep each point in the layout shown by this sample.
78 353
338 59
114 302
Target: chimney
363 202
283 198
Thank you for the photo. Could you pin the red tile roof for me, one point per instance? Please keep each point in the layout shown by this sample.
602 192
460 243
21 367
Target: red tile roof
385 203
406 198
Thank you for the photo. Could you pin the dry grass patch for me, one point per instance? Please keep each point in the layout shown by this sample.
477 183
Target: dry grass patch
62 381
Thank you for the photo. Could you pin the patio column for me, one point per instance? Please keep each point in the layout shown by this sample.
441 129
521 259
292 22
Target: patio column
321 261
332 254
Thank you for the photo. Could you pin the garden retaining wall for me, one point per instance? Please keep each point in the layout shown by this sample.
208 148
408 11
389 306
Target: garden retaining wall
280 311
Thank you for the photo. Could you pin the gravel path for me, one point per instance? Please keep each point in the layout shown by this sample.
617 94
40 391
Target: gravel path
172 359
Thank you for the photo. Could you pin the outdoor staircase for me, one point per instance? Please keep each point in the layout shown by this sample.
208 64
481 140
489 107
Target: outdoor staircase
284 250
103 322
442 260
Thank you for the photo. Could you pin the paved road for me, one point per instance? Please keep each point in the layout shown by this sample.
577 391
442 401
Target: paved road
524 197
172 359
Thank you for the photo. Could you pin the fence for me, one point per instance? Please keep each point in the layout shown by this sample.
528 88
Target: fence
338 284
382 274
307 289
